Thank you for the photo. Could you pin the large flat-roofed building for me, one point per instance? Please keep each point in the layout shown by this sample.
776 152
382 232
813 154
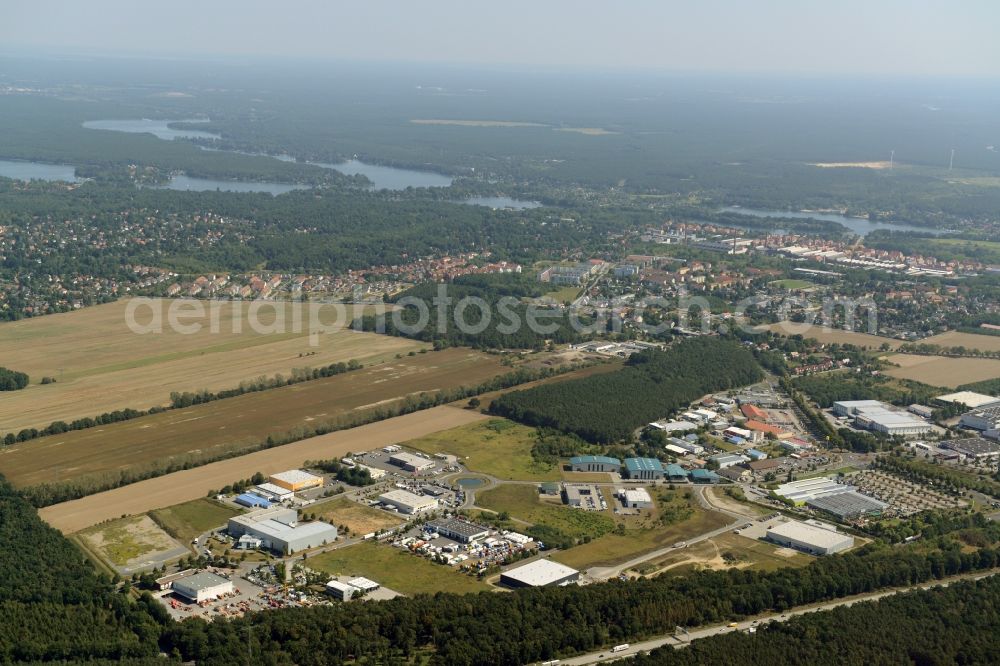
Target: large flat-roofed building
204 586
975 448
809 538
458 530
407 502
341 591
278 529
273 492
675 472
986 418
410 462
540 573
595 464
878 417
800 492
646 469
970 399
674 426
729 459
704 476
296 480
848 506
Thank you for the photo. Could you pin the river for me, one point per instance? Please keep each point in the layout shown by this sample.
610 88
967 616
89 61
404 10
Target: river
22 170
858 225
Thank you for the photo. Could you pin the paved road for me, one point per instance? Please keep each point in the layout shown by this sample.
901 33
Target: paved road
605 656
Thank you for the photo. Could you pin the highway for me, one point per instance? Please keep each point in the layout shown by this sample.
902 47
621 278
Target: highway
606 656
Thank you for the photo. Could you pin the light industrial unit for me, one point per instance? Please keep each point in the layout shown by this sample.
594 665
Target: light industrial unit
810 538
595 464
296 480
203 586
410 462
279 530
407 502
458 530
540 573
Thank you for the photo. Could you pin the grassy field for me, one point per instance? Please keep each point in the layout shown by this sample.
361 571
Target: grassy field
191 484
565 294
967 340
792 284
497 447
127 540
186 521
357 518
682 519
829 336
726 551
101 365
239 423
395 569
524 502
942 370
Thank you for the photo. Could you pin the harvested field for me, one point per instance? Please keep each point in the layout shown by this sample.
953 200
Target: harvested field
241 423
101 365
943 370
357 518
195 483
967 340
831 335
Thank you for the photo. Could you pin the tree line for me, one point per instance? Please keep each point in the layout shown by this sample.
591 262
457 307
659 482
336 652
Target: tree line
12 380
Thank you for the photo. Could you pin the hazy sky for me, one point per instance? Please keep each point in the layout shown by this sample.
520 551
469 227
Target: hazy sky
953 37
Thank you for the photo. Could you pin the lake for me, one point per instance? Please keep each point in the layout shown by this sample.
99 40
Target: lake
389 178
501 202
858 225
470 482
158 128
21 170
210 185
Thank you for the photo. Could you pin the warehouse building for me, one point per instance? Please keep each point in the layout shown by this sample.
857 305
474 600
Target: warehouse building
810 538
986 418
273 492
296 480
674 426
970 399
252 501
879 417
279 530
848 506
801 492
595 464
646 469
729 459
676 473
462 531
204 586
408 503
974 448
411 463
540 573
635 498
704 476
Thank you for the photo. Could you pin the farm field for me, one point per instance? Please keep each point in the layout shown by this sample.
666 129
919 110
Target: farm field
523 502
101 365
830 335
943 370
644 533
396 569
131 543
357 518
497 447
191 484
967 340
240 423
186 521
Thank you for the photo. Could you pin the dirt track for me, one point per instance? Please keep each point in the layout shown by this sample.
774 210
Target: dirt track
194 483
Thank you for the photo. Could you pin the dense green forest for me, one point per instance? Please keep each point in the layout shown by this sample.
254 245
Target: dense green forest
12 380
55 606
951 625
610 407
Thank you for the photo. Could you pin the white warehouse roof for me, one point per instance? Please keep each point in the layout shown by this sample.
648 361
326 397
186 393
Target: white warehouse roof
970 399
540 573
296 476
817 537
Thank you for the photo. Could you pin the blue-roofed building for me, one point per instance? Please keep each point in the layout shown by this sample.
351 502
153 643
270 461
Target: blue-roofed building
755 454
676 473
647 469
704 476
595 464
738 441
252 501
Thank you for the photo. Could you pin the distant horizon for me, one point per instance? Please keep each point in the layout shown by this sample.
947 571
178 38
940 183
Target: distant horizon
922 38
